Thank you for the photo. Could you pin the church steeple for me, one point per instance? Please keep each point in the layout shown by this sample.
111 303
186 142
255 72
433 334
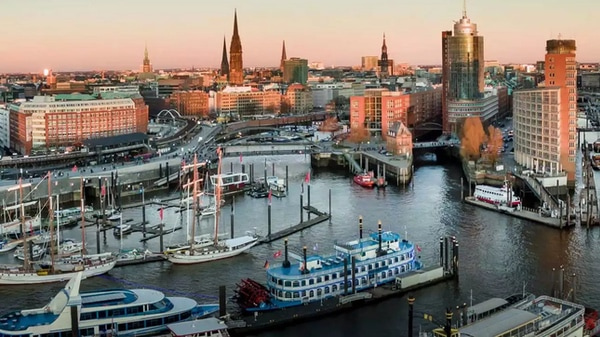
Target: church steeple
384 55
383 61
224 60
146 65
236 66
283 57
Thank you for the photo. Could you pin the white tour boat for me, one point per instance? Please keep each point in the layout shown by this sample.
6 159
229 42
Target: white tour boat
497 195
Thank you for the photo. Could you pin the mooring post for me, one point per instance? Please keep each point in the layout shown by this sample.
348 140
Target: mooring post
143 210
286 179
273 168
301 208
160 172
265 182
232 215
161 241
222 302
167 172
412 176
308 190
411 302
330 205
97 236
462 189
269 219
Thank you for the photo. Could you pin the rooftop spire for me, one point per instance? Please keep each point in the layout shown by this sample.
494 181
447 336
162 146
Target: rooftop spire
224 60
465 9
146 51
235 27
283 57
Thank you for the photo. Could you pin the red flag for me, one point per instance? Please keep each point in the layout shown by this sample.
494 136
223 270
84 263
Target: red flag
418 248
266 264
161 214
240 158
74 169
270 196
277 254
103 190
307 178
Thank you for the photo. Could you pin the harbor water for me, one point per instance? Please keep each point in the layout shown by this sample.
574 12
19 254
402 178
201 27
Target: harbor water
499 254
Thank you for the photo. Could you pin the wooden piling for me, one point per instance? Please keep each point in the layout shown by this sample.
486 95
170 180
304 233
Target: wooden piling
330 205
286 179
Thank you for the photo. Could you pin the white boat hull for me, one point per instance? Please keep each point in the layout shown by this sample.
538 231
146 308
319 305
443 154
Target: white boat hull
180 257
17 277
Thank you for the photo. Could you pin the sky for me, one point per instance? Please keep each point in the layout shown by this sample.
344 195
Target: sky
68 35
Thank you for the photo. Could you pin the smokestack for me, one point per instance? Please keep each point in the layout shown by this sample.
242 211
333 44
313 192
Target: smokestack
360 227
305 268
455 257
411 302
286 261
448 327
379 235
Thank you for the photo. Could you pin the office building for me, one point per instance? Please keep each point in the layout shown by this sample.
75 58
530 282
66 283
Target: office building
295 70
368 63
190 102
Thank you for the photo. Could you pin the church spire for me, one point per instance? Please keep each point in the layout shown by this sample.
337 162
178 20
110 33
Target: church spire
283 57
464 9
236 66
146 65
224 60
146 58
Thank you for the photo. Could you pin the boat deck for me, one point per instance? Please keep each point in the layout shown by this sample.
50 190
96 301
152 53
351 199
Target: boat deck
522 214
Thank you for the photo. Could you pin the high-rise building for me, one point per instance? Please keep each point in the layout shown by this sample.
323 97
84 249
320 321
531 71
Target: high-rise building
368 63
383 62
295 70
283 58
224 61
190 102
236 65
463 71
299 98
146 65
545 118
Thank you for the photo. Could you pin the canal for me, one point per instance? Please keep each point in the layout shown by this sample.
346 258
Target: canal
499 254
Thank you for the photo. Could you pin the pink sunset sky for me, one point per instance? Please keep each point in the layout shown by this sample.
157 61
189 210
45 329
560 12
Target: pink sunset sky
110 34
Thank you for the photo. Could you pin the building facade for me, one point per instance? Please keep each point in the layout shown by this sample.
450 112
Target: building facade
536 123
463 67
299 98
295 70
368 63
236 64
64 120
379 109
246 102
190 103
146 65
4 127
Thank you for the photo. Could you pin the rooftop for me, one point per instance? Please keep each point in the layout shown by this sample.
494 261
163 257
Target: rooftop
499 323
196 327
137 137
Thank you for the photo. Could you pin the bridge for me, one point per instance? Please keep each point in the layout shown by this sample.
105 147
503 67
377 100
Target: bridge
227 135
266 149
436 144
276 122
427 126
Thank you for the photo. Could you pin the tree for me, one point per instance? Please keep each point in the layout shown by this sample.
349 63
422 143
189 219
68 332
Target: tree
271 109
285 107
494 144
473 137
358 134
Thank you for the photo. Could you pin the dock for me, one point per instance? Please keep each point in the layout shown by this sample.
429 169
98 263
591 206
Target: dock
156 257
523 213
321 217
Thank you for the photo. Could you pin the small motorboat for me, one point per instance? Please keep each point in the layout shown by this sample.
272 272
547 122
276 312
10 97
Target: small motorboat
115 217
364 180
122 229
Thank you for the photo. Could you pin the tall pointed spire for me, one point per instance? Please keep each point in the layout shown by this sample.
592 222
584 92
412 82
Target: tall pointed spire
283 57
383 61
464 9
146 52
236 66
146 65
224 60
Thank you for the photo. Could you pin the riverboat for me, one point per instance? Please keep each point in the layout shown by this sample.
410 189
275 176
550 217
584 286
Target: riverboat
73 212
376 259
497 195
364 180
122 312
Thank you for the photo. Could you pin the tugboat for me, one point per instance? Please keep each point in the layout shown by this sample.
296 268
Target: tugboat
364 180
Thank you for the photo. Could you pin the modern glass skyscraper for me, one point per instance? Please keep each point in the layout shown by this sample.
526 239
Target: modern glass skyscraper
463 65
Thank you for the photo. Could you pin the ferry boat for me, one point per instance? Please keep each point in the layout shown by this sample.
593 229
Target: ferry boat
497 195
122 312
73 212
14 227
230 182
541 316
379 259
364 180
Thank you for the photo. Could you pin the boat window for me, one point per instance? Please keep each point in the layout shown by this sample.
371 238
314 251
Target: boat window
402 257
102 314
123 326
88 315
295 284
287 283
390 273
319 279
287 294
396 271
319 291
334 288
280 282
356 271
311 293
186 315
362 268
326 277
326 290
154 322
296 294
376 265
370 266
311 281
334 275
303 293
273 291
303 283
363 254
118 312
364 280
383 275
396 259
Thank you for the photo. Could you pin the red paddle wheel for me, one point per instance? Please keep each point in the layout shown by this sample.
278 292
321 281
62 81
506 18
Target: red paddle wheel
251 294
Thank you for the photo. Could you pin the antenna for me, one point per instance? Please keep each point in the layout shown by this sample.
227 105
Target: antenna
464 8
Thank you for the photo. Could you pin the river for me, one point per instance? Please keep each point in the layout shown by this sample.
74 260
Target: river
498 254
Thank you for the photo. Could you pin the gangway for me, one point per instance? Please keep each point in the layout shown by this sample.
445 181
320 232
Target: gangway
163 181
540 191
356 169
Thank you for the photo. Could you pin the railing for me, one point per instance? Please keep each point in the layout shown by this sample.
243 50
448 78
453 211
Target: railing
443 143
352 162
540 190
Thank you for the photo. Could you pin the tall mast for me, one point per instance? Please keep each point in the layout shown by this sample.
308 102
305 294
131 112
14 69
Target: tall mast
187 201
194 204
23 231
51 225
218 197
82 217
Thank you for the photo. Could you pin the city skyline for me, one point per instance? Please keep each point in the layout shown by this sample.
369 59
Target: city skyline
188 34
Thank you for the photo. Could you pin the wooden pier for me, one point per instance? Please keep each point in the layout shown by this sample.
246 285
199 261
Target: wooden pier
156 257
321 217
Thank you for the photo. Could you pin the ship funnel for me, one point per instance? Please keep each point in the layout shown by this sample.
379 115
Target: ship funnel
379 235
286 261
304 266
360 227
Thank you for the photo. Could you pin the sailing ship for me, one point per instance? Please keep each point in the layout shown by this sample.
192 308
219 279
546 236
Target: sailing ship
217 249
55 270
